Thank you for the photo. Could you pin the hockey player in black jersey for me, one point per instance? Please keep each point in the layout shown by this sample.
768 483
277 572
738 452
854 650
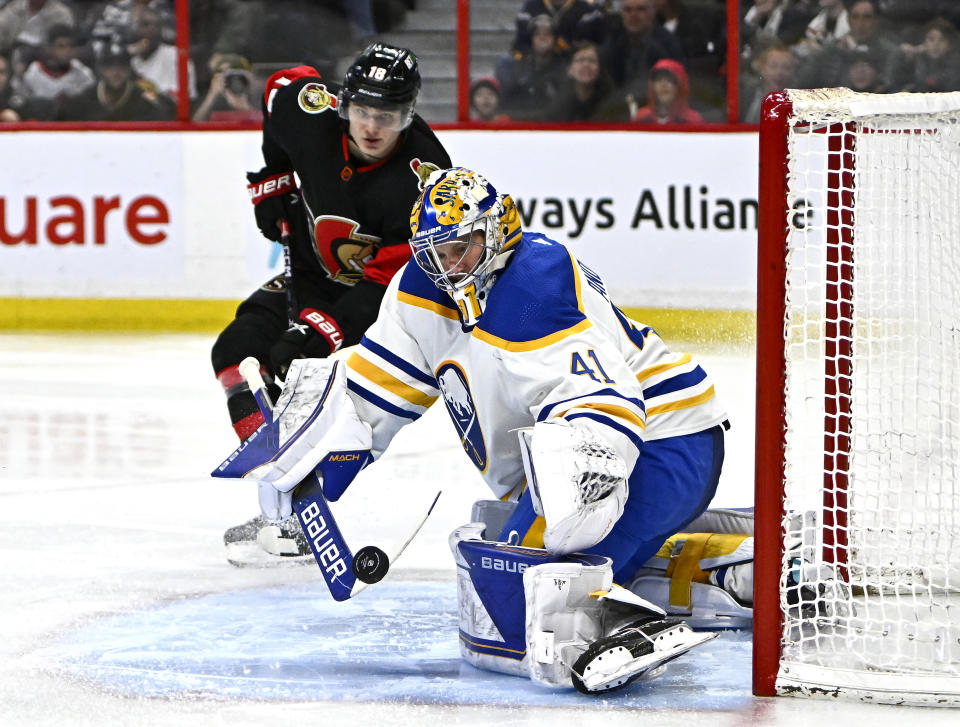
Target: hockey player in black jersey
342 167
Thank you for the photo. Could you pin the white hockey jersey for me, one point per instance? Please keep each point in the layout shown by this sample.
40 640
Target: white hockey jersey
549 343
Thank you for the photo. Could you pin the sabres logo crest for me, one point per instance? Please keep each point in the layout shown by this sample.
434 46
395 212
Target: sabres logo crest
314 98
456 395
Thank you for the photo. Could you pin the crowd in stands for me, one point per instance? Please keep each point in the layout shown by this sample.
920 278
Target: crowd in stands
877 46
117 60
649 61
645 61
69 60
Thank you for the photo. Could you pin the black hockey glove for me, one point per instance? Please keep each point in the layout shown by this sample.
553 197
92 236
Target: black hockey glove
275 197
317 337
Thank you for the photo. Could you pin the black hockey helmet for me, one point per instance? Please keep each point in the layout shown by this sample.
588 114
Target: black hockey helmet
383 76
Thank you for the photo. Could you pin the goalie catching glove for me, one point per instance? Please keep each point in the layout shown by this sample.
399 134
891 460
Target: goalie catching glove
275 197
578 482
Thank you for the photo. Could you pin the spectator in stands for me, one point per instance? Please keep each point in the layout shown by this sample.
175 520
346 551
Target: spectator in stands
667 96
14 105
633 43
58 75
114 22
774 70
772 22
25 26
485 101
10 100
529 81
702 35
829 66
936 61
917 13
218 27
573 20
155 60
233 95
825 29
118 95
361 16
588 93
863 71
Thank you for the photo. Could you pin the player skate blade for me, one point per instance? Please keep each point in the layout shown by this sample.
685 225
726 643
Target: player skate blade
250 555
613 662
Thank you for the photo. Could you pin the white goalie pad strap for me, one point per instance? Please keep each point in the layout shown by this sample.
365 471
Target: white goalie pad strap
723 520
316 417
274 505
562 616
578 482
711 607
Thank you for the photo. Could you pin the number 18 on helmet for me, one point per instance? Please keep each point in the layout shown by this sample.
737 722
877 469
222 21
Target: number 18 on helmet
382 77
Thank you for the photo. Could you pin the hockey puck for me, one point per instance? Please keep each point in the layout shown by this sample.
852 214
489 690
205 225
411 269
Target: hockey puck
370 564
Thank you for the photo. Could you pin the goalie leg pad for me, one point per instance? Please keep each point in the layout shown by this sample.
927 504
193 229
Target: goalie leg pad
563 614
707 578
723 520
527 613
494 514
491 599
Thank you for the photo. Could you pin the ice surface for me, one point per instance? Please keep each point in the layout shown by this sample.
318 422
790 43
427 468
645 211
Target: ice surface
118 608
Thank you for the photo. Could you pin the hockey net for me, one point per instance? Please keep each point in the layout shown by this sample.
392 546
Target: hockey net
858 397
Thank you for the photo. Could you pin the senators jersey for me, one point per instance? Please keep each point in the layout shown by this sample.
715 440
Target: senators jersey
549 344
356 220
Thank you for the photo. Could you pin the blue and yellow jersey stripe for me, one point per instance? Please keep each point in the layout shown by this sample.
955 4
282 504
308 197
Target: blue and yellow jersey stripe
390 382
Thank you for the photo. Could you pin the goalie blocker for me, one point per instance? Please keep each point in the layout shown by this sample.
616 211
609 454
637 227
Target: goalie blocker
558 619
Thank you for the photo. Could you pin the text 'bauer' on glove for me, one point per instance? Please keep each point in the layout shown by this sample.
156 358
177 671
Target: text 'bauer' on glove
317 337
275 197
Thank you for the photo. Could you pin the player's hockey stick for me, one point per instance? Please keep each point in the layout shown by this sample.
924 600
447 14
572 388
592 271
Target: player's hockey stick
292 313
344 573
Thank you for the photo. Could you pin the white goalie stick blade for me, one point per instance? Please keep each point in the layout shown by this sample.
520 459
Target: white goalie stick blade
383 560
632 652
401 545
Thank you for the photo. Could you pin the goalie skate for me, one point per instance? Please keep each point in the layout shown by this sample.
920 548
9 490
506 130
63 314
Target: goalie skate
641 649
259 543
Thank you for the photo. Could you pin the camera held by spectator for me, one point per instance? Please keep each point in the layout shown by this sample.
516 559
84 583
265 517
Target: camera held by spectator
231 94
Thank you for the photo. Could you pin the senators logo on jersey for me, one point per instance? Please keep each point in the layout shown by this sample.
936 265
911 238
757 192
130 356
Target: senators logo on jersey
342 250
314 98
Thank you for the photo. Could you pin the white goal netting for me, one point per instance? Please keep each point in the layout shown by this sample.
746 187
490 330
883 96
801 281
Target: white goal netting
870 578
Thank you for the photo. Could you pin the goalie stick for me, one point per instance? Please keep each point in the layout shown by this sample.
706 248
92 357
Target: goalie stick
344 573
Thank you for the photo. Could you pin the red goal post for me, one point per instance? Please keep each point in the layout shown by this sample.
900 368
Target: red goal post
858 397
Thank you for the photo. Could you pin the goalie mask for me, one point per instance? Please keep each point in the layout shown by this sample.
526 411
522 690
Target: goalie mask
382 77
463 232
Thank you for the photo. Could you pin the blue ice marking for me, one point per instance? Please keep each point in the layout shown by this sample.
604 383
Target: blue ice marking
397 642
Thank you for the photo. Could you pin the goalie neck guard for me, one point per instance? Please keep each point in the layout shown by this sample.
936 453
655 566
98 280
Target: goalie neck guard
463 231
